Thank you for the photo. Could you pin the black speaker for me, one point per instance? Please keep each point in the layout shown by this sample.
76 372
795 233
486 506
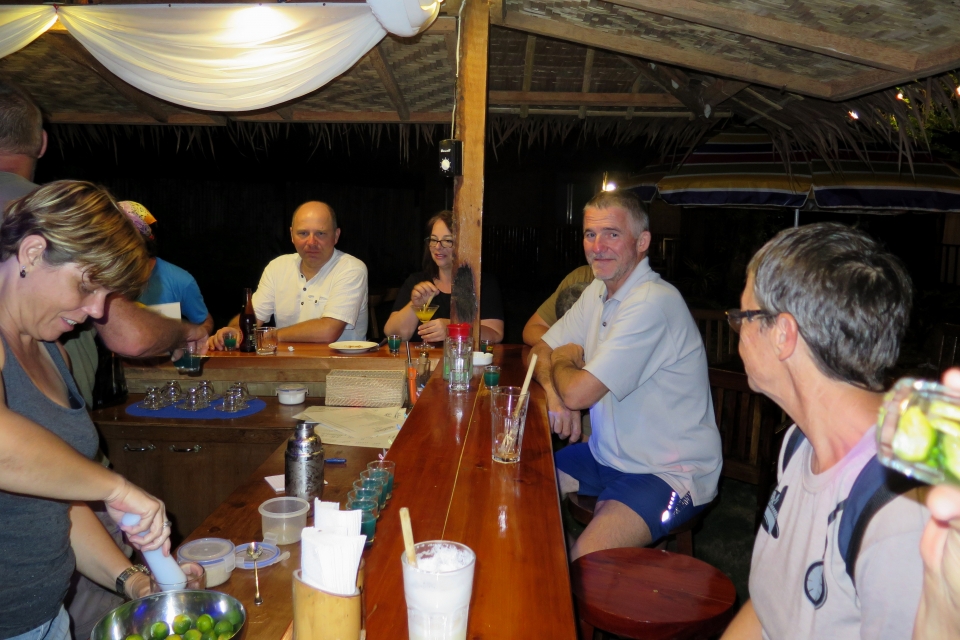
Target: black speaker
451 158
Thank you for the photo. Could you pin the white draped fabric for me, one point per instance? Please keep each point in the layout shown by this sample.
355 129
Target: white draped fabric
226 57
21 25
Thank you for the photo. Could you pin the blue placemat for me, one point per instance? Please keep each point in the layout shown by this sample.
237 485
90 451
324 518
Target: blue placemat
254 405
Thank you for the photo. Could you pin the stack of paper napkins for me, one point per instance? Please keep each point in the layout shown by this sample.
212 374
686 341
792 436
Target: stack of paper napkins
330 550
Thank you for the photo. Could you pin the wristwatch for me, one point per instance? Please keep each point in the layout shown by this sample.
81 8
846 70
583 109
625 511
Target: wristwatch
125 575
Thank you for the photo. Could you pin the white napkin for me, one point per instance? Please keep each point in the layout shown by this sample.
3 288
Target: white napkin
346 523
330 561
318 504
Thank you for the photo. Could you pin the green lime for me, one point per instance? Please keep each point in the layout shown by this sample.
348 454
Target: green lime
159 630
234 617
951 427
209 635
134 636
223 626
915 436
182 623
205 623
944 410
192 634
225 636
175 636
951 454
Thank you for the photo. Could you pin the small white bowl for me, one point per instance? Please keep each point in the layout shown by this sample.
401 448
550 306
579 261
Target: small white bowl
481 359
292 393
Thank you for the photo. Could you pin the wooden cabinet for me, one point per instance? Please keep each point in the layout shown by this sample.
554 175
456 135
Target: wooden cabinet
192 465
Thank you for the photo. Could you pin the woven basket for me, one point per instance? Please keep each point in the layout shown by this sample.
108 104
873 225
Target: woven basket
365 388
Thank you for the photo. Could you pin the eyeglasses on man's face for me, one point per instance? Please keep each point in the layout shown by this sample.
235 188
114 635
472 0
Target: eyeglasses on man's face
736 317
433 241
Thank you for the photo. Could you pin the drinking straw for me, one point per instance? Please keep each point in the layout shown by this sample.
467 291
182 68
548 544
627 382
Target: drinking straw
407 529
511 436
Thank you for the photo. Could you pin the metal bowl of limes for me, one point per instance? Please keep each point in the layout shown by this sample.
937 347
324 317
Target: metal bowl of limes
174 615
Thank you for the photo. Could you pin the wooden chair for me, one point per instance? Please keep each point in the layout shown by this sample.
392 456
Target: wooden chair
943 352
719 340
748 425
649 594
582 508
375 299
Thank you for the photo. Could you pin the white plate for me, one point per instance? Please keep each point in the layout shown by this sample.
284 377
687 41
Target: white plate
352 346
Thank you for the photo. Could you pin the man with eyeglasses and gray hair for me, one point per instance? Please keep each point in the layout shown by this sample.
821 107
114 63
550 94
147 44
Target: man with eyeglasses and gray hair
629 351
820 321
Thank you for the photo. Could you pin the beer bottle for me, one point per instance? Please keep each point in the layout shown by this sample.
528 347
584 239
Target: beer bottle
248 325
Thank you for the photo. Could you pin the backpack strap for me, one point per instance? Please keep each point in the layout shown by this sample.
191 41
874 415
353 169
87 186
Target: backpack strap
796 439
873 489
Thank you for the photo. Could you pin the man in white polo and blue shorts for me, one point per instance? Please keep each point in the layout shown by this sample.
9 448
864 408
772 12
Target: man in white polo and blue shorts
629 351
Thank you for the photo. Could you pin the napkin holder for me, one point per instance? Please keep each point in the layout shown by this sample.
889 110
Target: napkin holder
319 615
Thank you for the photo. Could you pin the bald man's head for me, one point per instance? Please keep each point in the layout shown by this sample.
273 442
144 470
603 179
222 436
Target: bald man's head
316 206
314 233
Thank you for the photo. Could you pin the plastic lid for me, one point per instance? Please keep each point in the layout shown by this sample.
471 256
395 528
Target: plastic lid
291 387
205 551
269 554
461 330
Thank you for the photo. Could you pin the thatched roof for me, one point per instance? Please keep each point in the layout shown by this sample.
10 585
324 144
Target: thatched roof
625 68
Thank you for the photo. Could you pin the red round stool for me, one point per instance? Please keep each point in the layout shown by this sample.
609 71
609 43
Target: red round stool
649 594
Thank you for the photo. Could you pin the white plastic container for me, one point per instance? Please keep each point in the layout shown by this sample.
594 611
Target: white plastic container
216 555
292 393
285 517
481 359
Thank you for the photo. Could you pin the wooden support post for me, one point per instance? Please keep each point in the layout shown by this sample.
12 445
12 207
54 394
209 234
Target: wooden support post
470 124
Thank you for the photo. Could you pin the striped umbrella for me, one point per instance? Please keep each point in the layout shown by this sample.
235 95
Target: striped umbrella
741 167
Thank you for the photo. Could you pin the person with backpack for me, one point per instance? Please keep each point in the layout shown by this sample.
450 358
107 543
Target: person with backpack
822 315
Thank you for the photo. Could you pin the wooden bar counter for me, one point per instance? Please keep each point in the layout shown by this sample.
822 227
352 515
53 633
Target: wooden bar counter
508 514
307 363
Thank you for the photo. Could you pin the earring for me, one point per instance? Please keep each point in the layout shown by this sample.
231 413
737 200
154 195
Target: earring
23 271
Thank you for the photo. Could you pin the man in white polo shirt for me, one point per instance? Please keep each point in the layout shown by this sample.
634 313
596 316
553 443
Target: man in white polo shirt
629 351
318 294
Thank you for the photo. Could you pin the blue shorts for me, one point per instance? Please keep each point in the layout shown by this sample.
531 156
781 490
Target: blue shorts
647 495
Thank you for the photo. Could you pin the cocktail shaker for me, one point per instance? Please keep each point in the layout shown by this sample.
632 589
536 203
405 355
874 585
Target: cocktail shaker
303 477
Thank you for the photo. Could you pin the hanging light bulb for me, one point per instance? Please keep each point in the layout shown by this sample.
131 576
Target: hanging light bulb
853 115
899 95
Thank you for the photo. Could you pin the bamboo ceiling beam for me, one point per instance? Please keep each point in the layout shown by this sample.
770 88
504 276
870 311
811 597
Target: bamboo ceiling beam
527 69
69 47
591 113
700 100
587 73
572 98
649 50
762 114
379 61
934 63
442 25
355 117
782 32
470 124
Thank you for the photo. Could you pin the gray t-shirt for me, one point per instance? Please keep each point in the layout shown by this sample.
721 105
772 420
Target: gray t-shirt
798 579
657 418
12 187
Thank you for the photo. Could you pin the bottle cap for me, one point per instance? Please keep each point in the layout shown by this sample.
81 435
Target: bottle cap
461 330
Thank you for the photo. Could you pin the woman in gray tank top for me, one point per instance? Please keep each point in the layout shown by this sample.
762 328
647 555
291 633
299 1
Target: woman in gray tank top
63 249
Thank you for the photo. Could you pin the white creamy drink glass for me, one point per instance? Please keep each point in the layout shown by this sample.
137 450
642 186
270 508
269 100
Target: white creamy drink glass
438 590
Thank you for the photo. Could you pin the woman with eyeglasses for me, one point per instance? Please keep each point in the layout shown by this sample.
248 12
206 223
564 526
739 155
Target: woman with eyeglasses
433 284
